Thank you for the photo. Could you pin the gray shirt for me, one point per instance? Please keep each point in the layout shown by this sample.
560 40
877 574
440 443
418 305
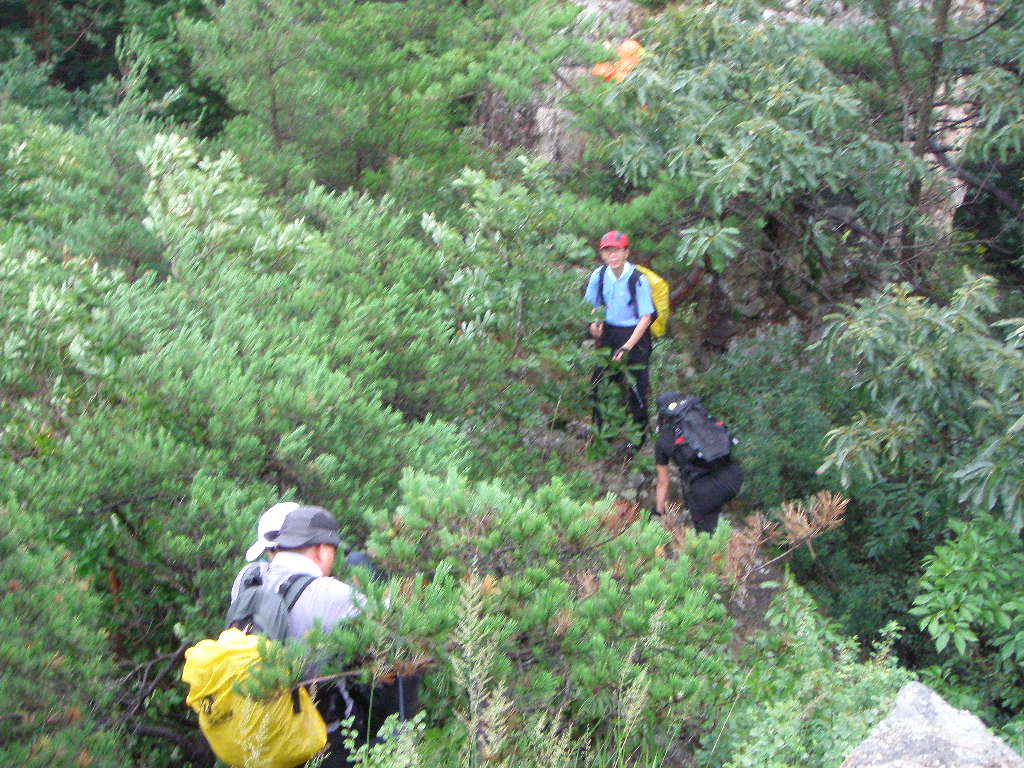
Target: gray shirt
326 599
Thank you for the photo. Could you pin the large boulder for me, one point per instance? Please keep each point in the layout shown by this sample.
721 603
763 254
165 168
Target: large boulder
923 731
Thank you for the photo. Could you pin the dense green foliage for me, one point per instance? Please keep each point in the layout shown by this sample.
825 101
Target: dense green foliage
575 593
254 251
941 376
811 712
740 111
967 600
585 601
937 376
781 398
358 94
57 700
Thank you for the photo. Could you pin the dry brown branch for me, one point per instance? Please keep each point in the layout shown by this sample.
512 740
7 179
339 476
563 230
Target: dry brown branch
745 545
795 519
622 515
830 510
385 672
587 584
801 525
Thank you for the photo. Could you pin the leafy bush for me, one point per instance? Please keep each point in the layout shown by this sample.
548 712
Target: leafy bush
938 446
969 603
78 192
351 95
780 400
804 699
963 587
938 378
707 106
55 690
153 416
572 590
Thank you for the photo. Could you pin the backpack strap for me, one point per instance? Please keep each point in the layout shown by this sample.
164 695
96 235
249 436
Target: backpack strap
291 589
600 285
678 439
634 278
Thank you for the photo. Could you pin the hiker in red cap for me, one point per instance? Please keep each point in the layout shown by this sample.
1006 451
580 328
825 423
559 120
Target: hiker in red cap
624 293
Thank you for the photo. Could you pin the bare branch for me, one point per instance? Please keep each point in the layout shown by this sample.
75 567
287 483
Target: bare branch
997 20
976 181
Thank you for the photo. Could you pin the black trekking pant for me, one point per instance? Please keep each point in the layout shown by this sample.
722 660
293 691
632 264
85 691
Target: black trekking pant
707 494
372 706
637 383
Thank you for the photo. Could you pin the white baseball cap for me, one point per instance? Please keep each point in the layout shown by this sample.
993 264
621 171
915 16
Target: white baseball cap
270 523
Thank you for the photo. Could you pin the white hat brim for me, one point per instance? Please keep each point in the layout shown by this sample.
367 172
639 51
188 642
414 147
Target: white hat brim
257 549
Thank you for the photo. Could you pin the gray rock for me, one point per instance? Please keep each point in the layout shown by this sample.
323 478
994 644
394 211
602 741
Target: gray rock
923 731
558 143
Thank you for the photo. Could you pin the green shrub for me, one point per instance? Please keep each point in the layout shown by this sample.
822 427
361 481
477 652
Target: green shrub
969 603
574 591
153 418
58 687
78 192
803 698
935 448
779 400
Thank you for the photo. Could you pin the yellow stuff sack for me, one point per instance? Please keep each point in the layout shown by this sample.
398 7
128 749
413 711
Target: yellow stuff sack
283 731
659 292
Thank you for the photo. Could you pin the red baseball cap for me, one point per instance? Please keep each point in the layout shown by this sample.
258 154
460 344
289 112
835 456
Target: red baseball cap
614 239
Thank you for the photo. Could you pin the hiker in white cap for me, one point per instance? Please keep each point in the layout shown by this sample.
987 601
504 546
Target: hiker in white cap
303 542
269 524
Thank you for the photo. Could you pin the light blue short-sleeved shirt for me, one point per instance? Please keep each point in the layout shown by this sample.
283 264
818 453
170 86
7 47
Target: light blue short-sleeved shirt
618 310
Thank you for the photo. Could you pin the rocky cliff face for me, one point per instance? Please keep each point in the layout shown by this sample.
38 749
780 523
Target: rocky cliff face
541 125
923 731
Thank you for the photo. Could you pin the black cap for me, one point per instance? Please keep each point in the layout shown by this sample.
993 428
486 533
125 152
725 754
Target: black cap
306 526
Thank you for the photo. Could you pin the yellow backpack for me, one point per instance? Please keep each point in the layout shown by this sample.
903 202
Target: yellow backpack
282 731
662 305
659 294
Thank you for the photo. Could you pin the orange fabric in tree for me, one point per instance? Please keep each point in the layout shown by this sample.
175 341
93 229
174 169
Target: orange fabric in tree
629 53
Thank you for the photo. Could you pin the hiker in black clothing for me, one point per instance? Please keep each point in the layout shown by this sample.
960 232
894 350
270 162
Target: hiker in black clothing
707 484
625 295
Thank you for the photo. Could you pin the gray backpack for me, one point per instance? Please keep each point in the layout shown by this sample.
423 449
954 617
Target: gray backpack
259 609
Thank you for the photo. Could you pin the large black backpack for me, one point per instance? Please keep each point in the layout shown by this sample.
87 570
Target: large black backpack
708 438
